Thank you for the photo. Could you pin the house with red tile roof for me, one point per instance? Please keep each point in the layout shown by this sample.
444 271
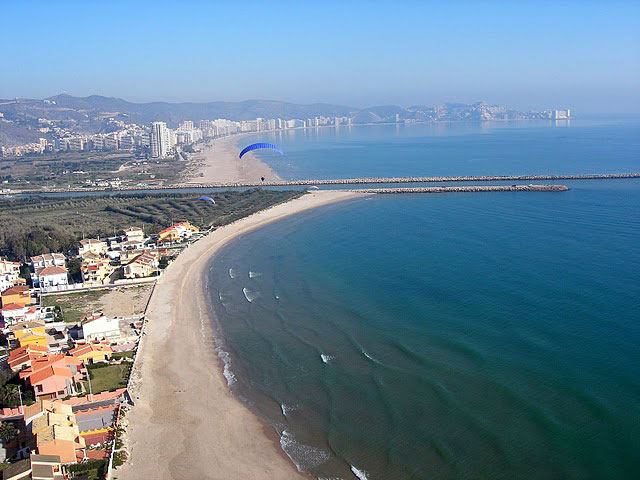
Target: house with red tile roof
177 232
95 272
22 357
14 313
51 276
52 382
143 265
20 294
73 364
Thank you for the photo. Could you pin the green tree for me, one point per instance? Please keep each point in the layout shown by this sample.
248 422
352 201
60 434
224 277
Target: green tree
164 261
8 432
9 395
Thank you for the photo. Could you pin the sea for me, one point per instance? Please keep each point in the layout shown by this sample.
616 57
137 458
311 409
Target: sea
448 336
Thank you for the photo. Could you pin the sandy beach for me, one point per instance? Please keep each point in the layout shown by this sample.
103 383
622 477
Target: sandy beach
185 423
218 162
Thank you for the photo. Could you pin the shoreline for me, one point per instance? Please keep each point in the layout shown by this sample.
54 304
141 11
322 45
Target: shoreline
186 423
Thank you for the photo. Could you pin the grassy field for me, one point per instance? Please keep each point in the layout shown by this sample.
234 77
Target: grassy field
75 305
108 378
119 355
57 169
35 225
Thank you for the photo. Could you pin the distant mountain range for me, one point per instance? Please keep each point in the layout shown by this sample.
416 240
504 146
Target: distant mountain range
91 114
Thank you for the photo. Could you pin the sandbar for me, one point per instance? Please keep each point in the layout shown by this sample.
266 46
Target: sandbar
217 162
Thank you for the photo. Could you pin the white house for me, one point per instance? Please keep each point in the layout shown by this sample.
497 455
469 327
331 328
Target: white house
9 275
52 276
134 234
99 327
15 313
47 260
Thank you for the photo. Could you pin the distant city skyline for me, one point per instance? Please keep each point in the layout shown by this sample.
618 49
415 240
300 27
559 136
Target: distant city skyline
578 55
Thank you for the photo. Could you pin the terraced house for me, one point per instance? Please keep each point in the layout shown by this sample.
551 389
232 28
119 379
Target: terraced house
56 432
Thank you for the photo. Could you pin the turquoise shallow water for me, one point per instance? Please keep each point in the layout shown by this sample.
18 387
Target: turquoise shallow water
444 336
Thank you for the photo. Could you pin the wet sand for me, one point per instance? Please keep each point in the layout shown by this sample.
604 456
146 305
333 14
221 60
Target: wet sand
185 423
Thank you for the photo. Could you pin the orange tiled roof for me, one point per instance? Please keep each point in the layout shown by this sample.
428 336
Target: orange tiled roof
48 361
51 270
28 352
15 290
13 306
27 349
95 398
45 373
90 347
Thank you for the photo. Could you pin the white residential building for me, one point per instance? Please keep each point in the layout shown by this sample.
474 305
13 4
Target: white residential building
48 277
9 274
100 327
161 140
47 260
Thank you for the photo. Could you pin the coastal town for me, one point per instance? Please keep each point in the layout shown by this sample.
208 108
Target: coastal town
68 124
65 364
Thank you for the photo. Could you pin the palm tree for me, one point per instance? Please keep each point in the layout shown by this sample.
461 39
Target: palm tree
9 395
8 432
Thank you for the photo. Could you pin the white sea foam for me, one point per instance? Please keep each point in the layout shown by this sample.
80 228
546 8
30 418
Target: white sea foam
364 352
254 274
286 409
361 474
250 295
232 273
304 457
326 358
226 371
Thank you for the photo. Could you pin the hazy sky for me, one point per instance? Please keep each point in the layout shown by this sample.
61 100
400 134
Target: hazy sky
583 55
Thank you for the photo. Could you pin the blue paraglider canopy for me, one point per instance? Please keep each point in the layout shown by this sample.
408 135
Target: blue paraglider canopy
207 199
256 146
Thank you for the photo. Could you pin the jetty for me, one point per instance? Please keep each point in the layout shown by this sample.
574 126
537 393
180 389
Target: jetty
470 188
342 181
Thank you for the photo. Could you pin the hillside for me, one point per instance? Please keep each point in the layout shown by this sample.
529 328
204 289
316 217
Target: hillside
87 115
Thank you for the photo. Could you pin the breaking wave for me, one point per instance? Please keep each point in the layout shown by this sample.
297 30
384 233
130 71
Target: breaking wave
326 358
287 408
364 352
250 295
226 371
304 457
254 274
361 474
232 273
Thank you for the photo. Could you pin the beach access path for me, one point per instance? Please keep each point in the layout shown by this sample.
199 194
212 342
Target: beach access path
185 423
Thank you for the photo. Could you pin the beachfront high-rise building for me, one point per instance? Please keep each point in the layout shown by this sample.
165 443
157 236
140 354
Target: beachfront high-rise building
159 140
561 114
